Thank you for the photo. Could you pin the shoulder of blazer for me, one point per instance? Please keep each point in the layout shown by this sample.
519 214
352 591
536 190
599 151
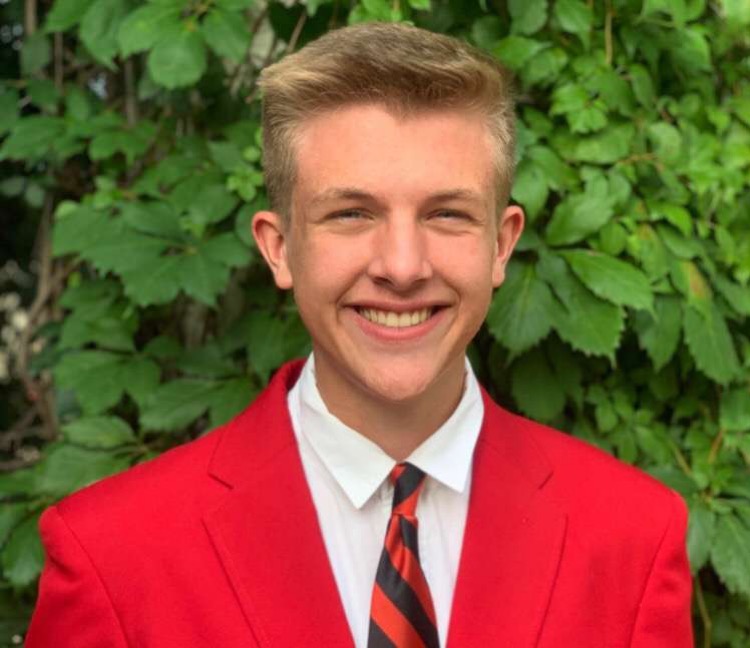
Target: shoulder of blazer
587 482
191 478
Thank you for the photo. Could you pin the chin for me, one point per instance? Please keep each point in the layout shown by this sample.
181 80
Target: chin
401 387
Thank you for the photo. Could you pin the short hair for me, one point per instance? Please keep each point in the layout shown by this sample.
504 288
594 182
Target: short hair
406 69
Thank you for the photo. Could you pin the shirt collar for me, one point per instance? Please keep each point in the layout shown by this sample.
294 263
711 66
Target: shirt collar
359 466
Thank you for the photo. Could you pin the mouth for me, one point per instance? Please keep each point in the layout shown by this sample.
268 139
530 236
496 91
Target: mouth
401 320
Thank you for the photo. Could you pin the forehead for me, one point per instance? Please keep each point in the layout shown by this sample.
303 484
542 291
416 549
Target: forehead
370 147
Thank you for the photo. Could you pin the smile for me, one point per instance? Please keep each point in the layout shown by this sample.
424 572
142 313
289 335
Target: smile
396 320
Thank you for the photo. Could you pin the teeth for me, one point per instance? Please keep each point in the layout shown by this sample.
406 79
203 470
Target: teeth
395 320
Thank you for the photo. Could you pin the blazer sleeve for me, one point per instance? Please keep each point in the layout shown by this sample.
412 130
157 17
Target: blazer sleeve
73 608
664 614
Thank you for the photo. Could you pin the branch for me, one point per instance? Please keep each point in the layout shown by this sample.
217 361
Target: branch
608 47
296 33
131 97
49 283
59 55
29 17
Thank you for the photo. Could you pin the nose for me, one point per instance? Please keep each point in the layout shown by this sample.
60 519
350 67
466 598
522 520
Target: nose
400 257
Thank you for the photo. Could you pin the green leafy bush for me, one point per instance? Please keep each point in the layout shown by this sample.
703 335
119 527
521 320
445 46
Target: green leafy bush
624 317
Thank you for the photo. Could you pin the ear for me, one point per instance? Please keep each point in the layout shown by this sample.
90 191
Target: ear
509 230
271 236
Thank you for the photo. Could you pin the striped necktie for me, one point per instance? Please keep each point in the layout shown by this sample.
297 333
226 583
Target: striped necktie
401 613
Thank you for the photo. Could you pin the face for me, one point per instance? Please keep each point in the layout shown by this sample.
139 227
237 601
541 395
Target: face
394 246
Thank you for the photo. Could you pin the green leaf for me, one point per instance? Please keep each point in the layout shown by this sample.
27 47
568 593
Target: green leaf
77 227
710 343
557 174
737 12
179 59
519 316
611 279
585 322
94 376
212 204
268 345
8 109
690 49
154 281
729 554
667 142
569 98
580 215
144 27
158 218
113 327
100 378
35 53
99 27
737 296
32 137
227 155
674 214
226 248
66 468
607 147
226 33
528 16
700 536
99 432
574 16
77 104
530 188
516 51
177 404
66 13
536 388
23 555
643 86
734 414
10 516
487 31
203 276
659 333
229 399
544 67
43 93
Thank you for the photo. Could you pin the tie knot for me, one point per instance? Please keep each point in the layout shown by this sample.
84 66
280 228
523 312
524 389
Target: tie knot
407 481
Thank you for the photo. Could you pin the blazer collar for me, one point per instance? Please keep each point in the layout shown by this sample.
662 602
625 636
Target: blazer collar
267 535
513 541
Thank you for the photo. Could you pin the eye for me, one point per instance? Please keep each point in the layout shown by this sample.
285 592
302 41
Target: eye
449 214
348 214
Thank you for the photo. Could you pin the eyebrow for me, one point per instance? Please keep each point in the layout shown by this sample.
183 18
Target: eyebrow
354 193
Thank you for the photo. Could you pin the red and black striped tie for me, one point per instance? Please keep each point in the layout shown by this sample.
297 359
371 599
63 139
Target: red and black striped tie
401 613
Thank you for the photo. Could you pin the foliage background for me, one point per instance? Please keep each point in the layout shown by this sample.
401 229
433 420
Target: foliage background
136 312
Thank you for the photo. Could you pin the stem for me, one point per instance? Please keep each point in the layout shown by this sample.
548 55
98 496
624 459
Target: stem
715 445
131 99
29 17
703 610
296 33
59 56
608 47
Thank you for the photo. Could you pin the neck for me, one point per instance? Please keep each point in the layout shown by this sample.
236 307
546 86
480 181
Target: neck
397 427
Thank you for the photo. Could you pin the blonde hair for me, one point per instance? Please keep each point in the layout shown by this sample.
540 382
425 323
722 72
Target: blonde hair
403 68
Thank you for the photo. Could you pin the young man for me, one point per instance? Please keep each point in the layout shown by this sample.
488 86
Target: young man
374 495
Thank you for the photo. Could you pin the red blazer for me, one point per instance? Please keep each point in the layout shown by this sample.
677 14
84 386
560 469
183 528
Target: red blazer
216 544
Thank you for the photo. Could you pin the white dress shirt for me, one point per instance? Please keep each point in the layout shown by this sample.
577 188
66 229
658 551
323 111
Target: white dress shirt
347 474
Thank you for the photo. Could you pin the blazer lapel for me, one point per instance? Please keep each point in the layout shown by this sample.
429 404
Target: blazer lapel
267 534
513 540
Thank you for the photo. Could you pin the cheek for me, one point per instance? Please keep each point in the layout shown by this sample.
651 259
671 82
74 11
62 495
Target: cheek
468 262
323 270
